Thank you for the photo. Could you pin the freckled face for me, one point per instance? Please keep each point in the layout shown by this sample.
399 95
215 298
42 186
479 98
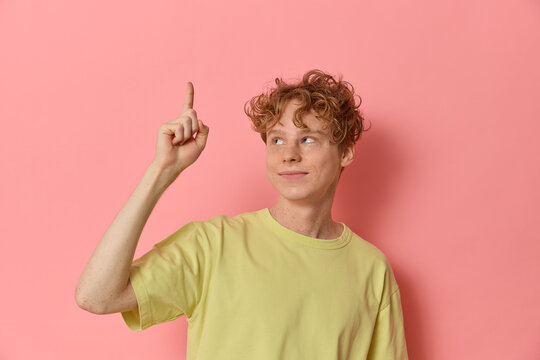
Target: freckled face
302 164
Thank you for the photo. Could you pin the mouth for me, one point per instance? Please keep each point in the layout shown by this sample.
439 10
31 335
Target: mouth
292 174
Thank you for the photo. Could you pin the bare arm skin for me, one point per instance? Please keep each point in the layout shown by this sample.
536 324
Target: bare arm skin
104 285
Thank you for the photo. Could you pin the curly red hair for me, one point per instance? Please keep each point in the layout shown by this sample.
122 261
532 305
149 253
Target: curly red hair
333 101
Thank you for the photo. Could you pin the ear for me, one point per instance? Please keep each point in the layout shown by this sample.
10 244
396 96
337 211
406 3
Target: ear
347 155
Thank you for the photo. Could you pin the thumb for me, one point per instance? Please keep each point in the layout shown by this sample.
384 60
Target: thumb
202 134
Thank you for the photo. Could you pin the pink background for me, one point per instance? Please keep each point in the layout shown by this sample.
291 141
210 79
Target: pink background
445 182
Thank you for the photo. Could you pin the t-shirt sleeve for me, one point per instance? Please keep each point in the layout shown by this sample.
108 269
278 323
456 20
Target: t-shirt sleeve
388 338
170 279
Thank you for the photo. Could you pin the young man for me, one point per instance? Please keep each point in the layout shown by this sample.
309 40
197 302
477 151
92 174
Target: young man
285 282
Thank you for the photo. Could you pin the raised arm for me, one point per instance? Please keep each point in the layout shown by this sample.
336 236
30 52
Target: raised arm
104 285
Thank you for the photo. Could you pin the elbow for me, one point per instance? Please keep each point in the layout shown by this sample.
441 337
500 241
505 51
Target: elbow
84 302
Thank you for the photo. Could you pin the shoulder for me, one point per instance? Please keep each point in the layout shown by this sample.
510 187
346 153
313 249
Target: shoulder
374 261
239 221
210 233
368 251
206 234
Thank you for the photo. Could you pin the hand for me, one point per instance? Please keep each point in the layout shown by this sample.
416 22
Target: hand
181 141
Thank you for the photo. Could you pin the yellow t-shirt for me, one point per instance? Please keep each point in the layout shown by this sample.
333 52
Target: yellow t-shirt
253 289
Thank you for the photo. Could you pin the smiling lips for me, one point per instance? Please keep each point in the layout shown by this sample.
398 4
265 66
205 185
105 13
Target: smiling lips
292 174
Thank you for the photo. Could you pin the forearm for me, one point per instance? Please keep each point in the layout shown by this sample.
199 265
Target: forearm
107 272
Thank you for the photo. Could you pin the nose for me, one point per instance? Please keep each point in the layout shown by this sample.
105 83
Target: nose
291 153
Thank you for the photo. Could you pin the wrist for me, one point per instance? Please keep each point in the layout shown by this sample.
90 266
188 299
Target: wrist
161 176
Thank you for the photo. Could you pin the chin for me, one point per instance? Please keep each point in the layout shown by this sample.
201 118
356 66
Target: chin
289 192
293 194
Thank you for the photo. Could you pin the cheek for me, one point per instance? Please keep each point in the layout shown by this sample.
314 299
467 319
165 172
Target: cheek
271 157
329 162
270 163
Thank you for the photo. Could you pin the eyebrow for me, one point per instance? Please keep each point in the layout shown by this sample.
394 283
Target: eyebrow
303 131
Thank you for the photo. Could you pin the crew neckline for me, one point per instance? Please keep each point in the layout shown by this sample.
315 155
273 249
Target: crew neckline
291 235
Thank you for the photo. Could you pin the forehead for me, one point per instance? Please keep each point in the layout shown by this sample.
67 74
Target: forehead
286 124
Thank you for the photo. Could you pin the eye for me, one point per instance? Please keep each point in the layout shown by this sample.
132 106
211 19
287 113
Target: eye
308 138
275 140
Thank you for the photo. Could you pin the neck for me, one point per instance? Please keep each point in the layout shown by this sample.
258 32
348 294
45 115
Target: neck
314 220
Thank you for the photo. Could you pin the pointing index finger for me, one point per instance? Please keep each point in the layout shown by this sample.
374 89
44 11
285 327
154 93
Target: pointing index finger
188 100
